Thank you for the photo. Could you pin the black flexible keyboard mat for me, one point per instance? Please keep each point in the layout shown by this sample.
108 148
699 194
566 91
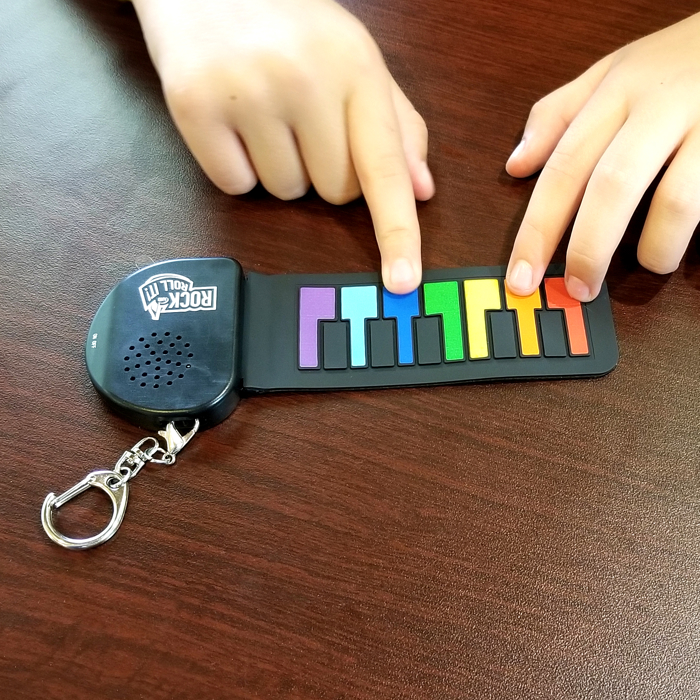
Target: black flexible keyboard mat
346 331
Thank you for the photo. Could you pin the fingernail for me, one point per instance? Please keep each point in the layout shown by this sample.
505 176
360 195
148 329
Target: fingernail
578 289
402 276
520 277
518 150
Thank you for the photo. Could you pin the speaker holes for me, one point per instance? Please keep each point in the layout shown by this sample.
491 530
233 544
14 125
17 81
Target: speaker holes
153 370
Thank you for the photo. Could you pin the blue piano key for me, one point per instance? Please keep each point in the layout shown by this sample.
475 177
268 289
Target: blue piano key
404 308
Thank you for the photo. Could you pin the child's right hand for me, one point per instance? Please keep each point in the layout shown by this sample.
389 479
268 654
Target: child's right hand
293 92
602 140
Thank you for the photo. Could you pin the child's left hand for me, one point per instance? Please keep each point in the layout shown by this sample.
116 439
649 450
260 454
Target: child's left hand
602 139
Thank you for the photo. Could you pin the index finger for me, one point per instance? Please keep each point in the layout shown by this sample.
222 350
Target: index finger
560 188
380 163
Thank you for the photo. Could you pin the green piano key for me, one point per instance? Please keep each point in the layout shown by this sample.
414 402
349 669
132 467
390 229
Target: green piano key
442 298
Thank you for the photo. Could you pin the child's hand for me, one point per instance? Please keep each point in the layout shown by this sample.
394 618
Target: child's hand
604 138
292 92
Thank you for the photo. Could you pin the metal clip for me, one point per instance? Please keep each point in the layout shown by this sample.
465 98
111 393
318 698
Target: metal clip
174 440
115 484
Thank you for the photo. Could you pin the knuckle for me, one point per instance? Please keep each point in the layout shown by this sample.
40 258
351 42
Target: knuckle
251 92
199 91
337 184
585 261
287 191
679 199
275 78
419 126
562 162
185 97
546 105
659 266
610 176
364 52
339 195
532 229
656 257
535 235
395 236
236 184
388 168
542 106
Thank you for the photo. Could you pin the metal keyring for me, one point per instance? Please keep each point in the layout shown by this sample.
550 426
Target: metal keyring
115 484
104 480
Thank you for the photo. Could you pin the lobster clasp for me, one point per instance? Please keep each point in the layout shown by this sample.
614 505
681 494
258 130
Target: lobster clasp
174 440
108 481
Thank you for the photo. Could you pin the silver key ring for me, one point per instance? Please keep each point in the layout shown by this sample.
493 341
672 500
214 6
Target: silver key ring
104 480
115 483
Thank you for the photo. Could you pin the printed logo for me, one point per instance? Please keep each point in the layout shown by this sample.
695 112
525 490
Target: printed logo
169 293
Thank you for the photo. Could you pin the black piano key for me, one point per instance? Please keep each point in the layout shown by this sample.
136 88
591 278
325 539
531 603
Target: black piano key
553 335
503 335
428 340
382 344
335 345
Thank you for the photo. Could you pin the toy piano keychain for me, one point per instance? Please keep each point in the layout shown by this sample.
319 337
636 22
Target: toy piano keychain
174 346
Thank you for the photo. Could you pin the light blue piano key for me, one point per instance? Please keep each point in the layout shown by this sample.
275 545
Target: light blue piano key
357 304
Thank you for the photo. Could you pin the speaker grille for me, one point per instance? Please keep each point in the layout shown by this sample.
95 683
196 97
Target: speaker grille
157 360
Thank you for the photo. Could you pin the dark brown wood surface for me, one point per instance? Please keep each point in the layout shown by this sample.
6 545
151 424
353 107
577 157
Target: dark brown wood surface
529 540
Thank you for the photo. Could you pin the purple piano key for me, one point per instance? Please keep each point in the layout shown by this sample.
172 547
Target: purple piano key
315 304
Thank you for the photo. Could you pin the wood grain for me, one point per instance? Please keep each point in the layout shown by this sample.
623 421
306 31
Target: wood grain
534 540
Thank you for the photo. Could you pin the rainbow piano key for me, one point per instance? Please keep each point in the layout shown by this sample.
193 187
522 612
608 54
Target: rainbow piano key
478 314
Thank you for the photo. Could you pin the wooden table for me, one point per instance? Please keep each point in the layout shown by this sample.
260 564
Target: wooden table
525 540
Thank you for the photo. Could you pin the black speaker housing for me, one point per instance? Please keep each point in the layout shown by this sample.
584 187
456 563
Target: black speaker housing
165 343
